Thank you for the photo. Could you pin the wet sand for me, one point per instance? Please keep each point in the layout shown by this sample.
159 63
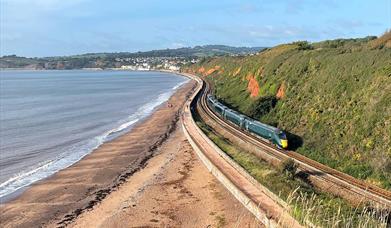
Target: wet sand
147 177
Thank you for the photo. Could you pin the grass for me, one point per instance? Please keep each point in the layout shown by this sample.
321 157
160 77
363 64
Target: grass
307 205
309 209
336 105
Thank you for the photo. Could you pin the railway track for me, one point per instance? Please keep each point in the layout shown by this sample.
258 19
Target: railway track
350 185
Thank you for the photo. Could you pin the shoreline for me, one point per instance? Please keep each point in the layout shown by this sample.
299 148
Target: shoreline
148 177
11 188
97 183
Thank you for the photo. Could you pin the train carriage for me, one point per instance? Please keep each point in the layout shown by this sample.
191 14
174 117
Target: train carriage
234 117
270 133
211 101
220 109
273 134
217 106
259 129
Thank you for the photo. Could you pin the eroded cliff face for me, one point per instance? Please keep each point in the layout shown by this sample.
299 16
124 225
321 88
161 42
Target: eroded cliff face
206 72
253 86
281 91
334 97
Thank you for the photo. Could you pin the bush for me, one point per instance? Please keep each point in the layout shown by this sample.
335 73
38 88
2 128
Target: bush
262 106
289 168
303 45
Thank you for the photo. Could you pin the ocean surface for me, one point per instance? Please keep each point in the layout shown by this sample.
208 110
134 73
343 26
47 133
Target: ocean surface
51 119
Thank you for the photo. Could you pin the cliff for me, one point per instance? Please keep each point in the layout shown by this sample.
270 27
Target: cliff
333 98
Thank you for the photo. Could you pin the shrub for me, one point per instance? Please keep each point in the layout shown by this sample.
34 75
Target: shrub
303 45
289 168
262 106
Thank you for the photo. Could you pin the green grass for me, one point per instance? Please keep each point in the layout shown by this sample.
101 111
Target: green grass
307 205
337 103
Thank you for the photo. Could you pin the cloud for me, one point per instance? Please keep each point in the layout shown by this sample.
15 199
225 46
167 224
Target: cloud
276 34
348 24
178 45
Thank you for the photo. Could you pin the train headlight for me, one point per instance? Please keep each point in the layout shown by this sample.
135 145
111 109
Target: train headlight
284 143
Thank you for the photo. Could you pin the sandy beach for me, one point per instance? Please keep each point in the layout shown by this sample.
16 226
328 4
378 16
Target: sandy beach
148 177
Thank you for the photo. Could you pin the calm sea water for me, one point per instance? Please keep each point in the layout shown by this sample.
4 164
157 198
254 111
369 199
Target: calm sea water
51 119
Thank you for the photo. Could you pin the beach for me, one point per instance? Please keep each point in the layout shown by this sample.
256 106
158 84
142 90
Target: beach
46 127
147 177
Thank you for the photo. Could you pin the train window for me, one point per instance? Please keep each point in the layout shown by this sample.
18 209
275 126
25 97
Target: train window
282 135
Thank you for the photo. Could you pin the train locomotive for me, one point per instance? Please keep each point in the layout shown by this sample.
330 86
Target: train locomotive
270 133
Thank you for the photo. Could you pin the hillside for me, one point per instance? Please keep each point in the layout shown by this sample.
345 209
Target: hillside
333 98
110 60
197 51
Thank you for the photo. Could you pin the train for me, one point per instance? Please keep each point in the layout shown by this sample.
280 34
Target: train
264 131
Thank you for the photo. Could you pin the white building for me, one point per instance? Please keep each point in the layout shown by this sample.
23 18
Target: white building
174 68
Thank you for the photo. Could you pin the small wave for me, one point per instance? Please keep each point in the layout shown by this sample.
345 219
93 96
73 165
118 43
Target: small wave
78 151
22 175
180 84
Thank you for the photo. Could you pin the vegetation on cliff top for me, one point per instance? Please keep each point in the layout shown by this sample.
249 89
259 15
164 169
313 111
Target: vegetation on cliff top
332 97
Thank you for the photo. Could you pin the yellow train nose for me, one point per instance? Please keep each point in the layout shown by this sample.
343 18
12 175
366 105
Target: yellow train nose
284 143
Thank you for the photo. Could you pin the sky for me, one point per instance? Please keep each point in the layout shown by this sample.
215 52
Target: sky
36 28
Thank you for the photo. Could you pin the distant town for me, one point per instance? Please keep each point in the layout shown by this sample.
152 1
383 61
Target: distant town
165 59
154 63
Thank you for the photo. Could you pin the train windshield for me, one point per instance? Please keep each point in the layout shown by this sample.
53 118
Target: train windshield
282 135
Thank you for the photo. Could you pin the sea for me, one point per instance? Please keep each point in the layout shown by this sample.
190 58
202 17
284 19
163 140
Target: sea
51 119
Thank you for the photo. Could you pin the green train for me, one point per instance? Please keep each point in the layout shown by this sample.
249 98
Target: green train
270 133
